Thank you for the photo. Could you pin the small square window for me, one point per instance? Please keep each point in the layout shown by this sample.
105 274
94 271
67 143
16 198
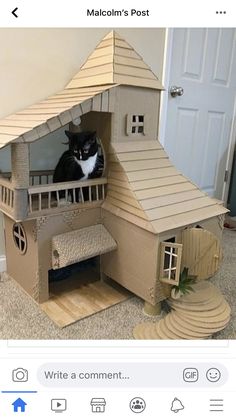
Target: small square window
135 124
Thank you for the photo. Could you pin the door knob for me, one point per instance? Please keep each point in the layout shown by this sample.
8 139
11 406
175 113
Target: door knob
176 91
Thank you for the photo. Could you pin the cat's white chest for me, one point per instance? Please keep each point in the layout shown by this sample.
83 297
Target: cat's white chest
87 165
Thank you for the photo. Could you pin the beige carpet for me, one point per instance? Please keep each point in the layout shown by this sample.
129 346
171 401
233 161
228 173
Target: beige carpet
21 318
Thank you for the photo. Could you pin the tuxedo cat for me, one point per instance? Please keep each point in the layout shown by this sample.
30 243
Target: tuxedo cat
80 162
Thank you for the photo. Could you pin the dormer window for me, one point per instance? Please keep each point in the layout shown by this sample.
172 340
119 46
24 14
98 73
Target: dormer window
135 124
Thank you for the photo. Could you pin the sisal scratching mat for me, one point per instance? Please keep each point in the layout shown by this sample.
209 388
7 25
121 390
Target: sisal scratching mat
77 245
68 306
193 316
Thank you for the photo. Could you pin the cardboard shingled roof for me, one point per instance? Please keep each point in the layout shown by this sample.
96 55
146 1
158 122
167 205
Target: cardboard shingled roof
36 121
113 62
146 189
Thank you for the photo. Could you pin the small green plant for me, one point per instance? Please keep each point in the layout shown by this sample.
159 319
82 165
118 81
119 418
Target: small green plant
185 282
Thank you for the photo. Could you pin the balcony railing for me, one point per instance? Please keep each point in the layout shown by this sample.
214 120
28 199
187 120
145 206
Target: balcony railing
7 195
66 194
43 197
38 177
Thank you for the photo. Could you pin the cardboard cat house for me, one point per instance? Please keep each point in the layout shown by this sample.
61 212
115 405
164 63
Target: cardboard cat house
143 219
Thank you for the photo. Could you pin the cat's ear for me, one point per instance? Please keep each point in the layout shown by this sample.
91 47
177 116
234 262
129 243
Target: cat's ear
69 134
93 137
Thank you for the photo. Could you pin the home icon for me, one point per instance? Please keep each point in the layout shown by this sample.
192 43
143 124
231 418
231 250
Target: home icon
19 405
98 405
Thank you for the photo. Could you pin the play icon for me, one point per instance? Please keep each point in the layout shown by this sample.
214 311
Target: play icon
58 405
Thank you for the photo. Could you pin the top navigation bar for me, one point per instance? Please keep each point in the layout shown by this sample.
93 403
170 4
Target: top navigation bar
128 13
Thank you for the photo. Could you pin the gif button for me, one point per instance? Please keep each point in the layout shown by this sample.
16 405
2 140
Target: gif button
190 375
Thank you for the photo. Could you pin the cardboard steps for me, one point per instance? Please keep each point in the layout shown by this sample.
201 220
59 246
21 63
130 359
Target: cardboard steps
194 316
207 323
197 328
190 328
208 306
180 331
210 315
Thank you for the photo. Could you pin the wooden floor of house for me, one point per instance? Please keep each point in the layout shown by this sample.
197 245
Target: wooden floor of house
70 300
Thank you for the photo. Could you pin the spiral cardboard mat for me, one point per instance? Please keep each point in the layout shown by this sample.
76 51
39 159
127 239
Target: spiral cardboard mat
193 316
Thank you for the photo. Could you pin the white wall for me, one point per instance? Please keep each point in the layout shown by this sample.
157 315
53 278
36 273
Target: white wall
36 63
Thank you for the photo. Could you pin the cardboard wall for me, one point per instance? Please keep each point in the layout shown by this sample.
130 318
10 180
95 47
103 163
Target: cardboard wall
23 268
31 269
136 101
54 225
134 264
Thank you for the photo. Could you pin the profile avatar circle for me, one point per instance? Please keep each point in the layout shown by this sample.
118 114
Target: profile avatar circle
137 405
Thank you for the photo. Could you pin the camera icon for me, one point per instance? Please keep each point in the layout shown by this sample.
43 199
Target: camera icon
20 375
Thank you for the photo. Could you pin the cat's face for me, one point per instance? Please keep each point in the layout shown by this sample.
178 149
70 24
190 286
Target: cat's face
82 144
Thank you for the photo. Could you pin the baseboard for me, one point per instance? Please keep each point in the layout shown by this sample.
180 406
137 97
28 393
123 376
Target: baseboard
2 263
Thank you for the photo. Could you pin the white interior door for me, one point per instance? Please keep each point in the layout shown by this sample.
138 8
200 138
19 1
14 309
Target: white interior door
198 124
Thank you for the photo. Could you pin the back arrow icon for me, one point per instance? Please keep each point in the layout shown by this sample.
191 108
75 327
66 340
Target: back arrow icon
14 12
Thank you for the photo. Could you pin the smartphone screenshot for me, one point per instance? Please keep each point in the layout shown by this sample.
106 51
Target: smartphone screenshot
117 209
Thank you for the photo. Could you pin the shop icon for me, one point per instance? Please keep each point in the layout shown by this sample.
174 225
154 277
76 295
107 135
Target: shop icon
98 405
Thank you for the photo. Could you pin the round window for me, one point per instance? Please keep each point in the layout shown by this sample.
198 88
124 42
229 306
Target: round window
19 238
